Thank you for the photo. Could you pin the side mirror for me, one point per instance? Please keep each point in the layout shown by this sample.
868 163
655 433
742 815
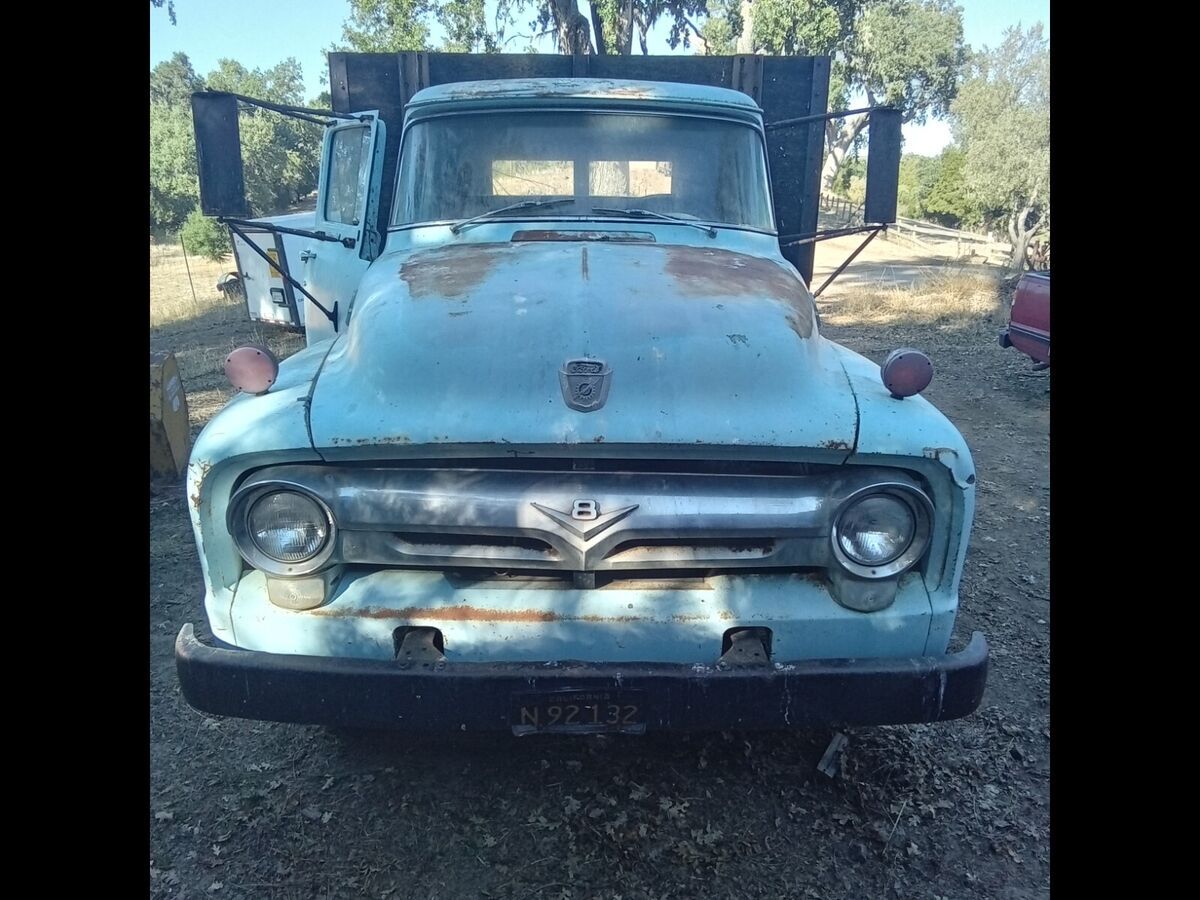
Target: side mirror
219 154
883 167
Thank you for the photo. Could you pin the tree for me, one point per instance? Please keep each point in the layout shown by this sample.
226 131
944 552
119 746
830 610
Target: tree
902 53
1002 121
467 31
169 4
280 154
612 24
949 200
174 188
387 26
173 81
918 174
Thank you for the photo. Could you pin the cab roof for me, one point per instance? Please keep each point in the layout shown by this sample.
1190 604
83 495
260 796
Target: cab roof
555 90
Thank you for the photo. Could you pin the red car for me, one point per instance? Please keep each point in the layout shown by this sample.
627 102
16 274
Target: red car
1029 321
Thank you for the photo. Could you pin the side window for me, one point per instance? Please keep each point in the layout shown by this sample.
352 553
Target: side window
349 160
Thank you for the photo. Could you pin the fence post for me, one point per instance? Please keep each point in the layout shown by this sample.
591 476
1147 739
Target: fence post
188 267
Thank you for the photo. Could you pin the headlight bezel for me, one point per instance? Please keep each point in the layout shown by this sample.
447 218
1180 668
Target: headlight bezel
240 507
921 508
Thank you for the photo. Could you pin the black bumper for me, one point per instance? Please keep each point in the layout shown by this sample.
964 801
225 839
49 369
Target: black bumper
479 696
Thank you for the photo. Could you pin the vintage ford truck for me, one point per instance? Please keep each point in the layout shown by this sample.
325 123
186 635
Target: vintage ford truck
572 454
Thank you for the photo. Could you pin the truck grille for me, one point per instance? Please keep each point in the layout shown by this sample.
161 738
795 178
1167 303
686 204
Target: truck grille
580 521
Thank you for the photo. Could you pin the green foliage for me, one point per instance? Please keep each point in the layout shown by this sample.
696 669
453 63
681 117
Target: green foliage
908 54
934 188
949 201
280 154
855 167
790 27
174 187
1002 121
466 27
205 237
917 177
904 53
616 32
387 26
395 26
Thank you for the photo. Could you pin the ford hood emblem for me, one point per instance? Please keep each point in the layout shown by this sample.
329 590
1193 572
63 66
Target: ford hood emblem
585 383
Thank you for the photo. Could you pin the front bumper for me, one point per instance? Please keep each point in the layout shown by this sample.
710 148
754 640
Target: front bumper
478 696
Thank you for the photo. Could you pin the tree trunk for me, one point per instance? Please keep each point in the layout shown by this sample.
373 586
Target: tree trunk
574 33
624 35
598 31
1020 235
839 139
745 41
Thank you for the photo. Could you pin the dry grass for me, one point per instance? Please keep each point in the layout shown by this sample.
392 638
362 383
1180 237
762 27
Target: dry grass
201 329
171 291
945 299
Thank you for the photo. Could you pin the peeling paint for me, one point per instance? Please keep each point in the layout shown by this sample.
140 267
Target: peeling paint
449 272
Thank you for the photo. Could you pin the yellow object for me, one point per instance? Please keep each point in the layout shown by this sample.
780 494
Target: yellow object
168 416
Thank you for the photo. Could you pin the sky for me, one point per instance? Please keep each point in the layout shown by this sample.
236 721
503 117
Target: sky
261 33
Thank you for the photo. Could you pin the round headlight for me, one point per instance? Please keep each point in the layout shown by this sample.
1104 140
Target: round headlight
287 526
882 532
876 530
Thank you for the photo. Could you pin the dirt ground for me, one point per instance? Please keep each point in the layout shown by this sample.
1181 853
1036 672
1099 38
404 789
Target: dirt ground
243 809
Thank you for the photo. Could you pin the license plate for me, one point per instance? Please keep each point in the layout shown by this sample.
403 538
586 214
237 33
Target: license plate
578 712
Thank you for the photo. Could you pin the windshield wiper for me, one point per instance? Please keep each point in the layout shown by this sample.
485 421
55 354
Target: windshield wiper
524 204
651 214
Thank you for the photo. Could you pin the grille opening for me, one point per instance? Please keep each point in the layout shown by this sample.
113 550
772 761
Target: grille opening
619 579
696 548
437 543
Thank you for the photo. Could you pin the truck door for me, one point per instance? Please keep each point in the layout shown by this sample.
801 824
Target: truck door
269 296
347 209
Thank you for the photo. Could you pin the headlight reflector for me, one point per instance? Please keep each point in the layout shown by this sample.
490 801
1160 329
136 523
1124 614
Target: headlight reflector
876 530
287 526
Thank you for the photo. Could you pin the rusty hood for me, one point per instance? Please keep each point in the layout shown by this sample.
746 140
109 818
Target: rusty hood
464 345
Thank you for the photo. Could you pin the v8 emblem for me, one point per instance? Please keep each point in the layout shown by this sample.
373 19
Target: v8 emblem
585 511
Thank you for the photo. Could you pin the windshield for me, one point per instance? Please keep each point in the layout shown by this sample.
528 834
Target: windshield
456 167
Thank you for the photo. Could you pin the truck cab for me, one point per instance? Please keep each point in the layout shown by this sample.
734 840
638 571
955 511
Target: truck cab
572 454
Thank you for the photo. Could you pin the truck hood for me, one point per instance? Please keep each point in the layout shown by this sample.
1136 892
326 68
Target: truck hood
464 345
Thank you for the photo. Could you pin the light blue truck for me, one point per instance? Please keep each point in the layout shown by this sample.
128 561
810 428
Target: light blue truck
567 450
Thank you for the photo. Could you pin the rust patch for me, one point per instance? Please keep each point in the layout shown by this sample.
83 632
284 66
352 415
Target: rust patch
443 614
203 467
708 272
605 237
451 272
465 613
